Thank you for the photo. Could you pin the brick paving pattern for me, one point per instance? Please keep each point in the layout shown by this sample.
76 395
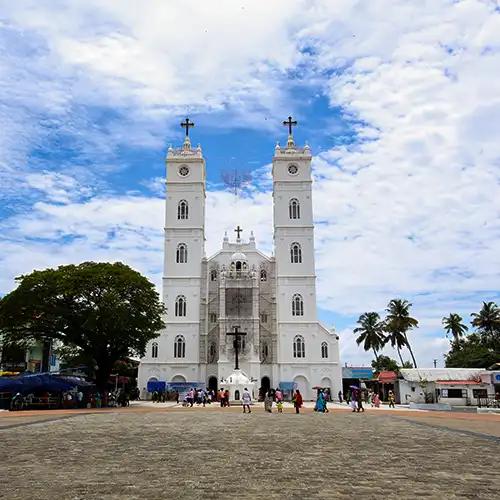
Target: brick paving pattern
214 453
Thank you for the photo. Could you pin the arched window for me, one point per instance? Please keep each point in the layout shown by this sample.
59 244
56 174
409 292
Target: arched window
299 347
179 347
324 350
182 253
182 210
154 350
295 253
263 275
213 275
297 305
294 209
180 306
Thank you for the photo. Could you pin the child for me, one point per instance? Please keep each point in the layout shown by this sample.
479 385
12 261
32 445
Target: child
279 405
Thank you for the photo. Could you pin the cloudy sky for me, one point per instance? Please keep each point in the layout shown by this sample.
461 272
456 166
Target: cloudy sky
399 100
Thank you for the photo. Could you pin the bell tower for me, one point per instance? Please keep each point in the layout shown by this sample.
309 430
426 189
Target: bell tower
184 251
293 232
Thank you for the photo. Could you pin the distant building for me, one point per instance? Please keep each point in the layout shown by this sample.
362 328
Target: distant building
39 357
454 386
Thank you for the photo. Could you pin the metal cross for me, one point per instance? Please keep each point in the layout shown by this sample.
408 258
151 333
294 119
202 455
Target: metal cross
238 230
186 124
290 123
236 345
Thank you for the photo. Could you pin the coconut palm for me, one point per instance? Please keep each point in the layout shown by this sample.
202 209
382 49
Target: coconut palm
397 324
371 332
488 318
453 324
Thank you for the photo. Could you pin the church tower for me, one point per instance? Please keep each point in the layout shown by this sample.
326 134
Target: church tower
184 251
294 232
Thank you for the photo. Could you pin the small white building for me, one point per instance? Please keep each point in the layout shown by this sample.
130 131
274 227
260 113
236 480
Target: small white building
454 386
272 298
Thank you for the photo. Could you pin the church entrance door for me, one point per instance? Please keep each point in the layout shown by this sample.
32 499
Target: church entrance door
265 384
212 384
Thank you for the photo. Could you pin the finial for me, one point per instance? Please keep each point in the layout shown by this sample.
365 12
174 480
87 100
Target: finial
252 237
277 147
226 238
290 143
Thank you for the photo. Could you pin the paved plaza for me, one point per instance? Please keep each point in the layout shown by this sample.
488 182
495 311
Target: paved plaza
151 452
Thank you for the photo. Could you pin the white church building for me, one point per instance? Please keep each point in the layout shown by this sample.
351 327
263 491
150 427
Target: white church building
271 299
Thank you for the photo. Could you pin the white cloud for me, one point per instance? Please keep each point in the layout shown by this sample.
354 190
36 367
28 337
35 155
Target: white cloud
411 208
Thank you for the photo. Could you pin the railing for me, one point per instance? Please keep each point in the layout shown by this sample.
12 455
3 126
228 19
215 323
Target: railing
488 402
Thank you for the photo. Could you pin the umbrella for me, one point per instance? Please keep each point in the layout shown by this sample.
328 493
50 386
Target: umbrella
353 387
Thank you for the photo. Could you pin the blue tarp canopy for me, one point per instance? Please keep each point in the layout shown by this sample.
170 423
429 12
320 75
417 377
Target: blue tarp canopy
156 385
40 382
288 386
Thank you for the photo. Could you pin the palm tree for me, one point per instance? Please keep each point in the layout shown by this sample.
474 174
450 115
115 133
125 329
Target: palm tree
371 332
453 324
488 318
397 323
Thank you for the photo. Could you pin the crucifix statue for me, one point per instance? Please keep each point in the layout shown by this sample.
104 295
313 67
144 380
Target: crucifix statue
290 123
236 345
186 124
238 230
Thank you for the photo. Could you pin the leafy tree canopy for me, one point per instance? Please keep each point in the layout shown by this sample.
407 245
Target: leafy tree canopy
104 311
481 348
385 363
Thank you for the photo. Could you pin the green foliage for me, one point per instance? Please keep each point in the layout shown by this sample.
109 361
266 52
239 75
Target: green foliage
371 332
397 324
481 348
453 324
385 363
102 311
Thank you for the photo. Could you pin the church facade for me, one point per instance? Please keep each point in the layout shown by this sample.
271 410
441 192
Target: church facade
270 299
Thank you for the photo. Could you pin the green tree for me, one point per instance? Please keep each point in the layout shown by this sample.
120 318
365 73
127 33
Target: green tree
472 352
104 311
487 320
371 332
397 324
453 324
385 363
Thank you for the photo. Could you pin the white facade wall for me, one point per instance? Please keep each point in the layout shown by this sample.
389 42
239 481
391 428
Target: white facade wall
273 297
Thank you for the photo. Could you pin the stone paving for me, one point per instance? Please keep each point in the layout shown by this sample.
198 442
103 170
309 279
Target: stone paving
221 453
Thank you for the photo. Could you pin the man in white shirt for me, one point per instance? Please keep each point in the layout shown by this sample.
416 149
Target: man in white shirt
246 398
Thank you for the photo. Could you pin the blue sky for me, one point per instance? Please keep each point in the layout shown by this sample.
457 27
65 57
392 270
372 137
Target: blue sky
399 102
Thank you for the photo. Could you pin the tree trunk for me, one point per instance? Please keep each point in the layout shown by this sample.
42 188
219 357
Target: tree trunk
102 376
411 352
400 357
376 355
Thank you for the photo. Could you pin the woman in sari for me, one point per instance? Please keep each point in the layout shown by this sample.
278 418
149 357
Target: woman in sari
320 403
268 401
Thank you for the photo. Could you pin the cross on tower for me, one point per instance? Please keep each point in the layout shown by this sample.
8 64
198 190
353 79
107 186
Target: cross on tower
238 230
290 123
236 345
186 124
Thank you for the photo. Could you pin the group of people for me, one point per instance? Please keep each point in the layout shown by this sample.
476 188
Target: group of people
198 397
355 397
277 396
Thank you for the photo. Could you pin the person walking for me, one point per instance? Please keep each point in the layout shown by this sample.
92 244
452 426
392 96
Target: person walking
359 399
340 396
226 398
391 400
376 400
297 401
268 401
247 401
279 395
